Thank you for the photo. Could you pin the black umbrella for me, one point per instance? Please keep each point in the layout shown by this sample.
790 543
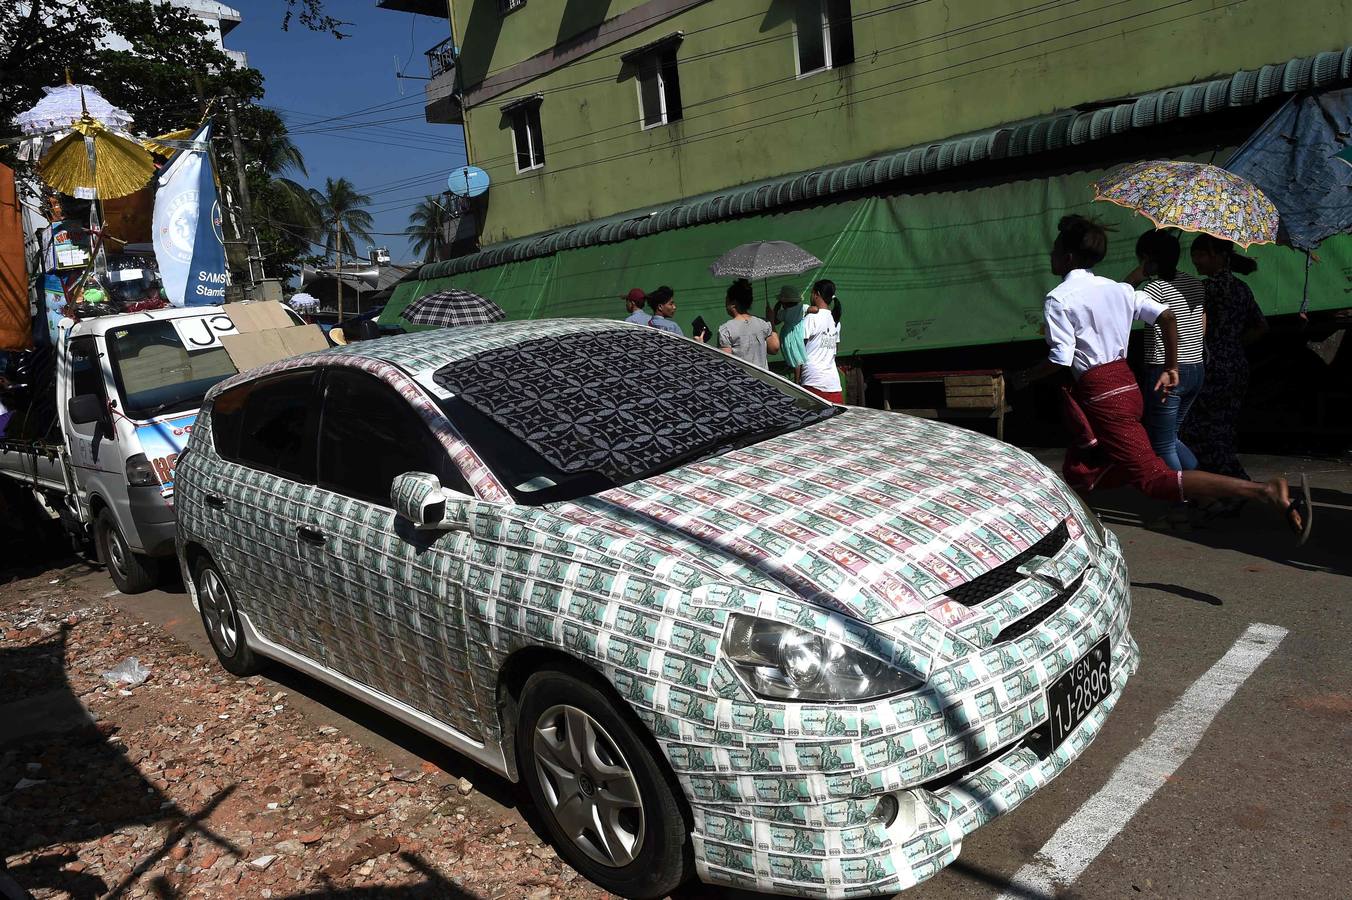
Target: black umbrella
452 307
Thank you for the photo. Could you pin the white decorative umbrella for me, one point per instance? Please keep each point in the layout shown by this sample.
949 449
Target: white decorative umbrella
62 107
303 301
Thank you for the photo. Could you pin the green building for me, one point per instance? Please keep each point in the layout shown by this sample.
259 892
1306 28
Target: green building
922 149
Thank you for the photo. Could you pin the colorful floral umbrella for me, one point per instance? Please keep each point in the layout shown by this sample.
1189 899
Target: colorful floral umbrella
1193 197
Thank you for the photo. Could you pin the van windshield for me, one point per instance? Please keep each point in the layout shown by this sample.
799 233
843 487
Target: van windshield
156 373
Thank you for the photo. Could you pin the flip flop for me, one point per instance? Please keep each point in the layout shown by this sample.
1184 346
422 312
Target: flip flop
1301 504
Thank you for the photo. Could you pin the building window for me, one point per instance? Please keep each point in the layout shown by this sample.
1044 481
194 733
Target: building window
659 87
824 35
506 6
525 120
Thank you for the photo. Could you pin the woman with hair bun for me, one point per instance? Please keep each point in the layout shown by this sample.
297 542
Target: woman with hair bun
1233 321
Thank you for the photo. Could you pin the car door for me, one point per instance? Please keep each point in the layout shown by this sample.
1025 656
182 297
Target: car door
265 433
93 445
390 608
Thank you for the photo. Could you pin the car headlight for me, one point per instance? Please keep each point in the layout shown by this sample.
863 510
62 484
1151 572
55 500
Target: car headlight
781 662
1091 522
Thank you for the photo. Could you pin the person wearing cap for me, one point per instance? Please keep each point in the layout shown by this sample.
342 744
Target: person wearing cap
788 314
634 301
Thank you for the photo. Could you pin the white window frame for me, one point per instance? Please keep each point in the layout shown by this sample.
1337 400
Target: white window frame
532 151
825 18
655 60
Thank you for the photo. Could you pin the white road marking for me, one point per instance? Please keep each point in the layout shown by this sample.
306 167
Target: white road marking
1082 837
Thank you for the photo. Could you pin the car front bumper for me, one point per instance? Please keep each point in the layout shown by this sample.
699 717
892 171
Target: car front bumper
809 822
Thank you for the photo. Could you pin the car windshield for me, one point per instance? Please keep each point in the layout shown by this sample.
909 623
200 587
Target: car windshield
156 373
566 416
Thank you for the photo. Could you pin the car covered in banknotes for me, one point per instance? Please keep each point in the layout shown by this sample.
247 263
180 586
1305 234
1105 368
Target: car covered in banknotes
715 625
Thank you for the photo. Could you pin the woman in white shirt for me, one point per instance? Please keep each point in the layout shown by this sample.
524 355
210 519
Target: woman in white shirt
821 336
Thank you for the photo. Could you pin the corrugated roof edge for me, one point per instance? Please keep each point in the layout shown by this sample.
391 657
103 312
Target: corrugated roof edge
1052 132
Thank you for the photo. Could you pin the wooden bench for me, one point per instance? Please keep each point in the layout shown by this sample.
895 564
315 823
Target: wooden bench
972 394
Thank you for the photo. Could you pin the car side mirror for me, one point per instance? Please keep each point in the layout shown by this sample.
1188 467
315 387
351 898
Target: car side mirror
85 408
420 498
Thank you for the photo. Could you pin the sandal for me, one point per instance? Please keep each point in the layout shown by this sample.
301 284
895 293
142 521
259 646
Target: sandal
1301 505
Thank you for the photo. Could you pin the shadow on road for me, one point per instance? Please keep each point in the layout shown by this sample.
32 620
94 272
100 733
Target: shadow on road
1256 531
486 781
1178 590
70 780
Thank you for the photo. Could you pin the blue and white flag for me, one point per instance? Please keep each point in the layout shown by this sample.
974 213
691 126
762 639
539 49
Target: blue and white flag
189 245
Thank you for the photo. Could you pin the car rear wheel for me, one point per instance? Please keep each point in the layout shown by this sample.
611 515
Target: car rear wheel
132 573
606 801
220 617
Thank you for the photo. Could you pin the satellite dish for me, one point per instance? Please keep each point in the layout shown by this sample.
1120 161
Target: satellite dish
468 181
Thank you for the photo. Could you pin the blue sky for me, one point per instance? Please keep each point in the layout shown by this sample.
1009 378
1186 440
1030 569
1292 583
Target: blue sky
311 77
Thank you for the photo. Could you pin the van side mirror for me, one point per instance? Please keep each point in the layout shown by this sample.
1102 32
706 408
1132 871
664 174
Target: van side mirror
85 408
420 498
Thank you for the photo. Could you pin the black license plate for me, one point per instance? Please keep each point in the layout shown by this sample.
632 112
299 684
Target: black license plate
1075 694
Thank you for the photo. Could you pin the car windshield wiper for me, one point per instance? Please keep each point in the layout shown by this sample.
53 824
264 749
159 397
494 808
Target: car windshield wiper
182 402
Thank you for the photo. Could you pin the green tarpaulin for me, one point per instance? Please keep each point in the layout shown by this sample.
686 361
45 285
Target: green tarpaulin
942 268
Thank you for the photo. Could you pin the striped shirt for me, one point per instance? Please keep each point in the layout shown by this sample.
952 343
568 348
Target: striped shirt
1185 295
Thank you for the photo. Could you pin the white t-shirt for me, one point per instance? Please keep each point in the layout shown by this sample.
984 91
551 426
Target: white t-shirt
1089 319
821 336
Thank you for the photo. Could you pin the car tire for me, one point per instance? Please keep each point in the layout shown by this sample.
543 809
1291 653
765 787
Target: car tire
132 573
220 618
644 853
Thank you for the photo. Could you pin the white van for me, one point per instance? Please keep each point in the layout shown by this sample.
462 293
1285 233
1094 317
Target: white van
127 392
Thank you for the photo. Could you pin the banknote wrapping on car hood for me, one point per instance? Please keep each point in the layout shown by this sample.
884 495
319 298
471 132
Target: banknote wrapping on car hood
874 514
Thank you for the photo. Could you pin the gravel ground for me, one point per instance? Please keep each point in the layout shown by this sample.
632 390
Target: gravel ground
198 784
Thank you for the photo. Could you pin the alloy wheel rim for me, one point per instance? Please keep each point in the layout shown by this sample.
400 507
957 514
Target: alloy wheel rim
219 613
589 788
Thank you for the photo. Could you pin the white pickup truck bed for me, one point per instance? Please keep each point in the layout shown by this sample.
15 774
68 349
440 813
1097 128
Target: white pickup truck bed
34 463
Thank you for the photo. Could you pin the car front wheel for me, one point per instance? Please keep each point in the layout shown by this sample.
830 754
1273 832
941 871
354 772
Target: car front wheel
608 804
132 573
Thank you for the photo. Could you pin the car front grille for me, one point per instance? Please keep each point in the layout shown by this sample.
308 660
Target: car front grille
1035 618
1007 574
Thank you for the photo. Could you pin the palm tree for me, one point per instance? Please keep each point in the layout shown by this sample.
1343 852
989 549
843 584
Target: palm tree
427 229
286 215
342 216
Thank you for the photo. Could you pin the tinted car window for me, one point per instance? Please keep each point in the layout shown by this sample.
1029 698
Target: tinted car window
370 435
270 424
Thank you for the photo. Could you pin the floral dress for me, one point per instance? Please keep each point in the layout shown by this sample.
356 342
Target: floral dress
1211 429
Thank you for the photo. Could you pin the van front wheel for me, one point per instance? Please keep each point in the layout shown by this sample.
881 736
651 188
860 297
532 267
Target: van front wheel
132 573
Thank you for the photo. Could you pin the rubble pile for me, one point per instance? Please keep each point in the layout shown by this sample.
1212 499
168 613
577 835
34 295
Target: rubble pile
191 782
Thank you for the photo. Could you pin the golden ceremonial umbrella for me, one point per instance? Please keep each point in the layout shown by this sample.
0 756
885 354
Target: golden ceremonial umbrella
92 162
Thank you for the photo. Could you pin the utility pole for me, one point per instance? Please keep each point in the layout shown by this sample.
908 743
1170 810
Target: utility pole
340 270
246 207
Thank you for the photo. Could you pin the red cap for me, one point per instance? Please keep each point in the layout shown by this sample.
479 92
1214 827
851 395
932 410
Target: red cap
636 295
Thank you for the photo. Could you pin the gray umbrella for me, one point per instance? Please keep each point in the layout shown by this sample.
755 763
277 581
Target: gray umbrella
453 307
763 259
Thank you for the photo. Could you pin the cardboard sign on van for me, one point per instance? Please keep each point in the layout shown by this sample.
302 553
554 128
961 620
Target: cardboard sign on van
266 334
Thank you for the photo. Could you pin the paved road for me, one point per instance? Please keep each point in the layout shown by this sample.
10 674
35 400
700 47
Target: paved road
1222 773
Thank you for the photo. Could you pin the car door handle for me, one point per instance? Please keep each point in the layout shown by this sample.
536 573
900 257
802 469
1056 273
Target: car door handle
312 535
215 501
